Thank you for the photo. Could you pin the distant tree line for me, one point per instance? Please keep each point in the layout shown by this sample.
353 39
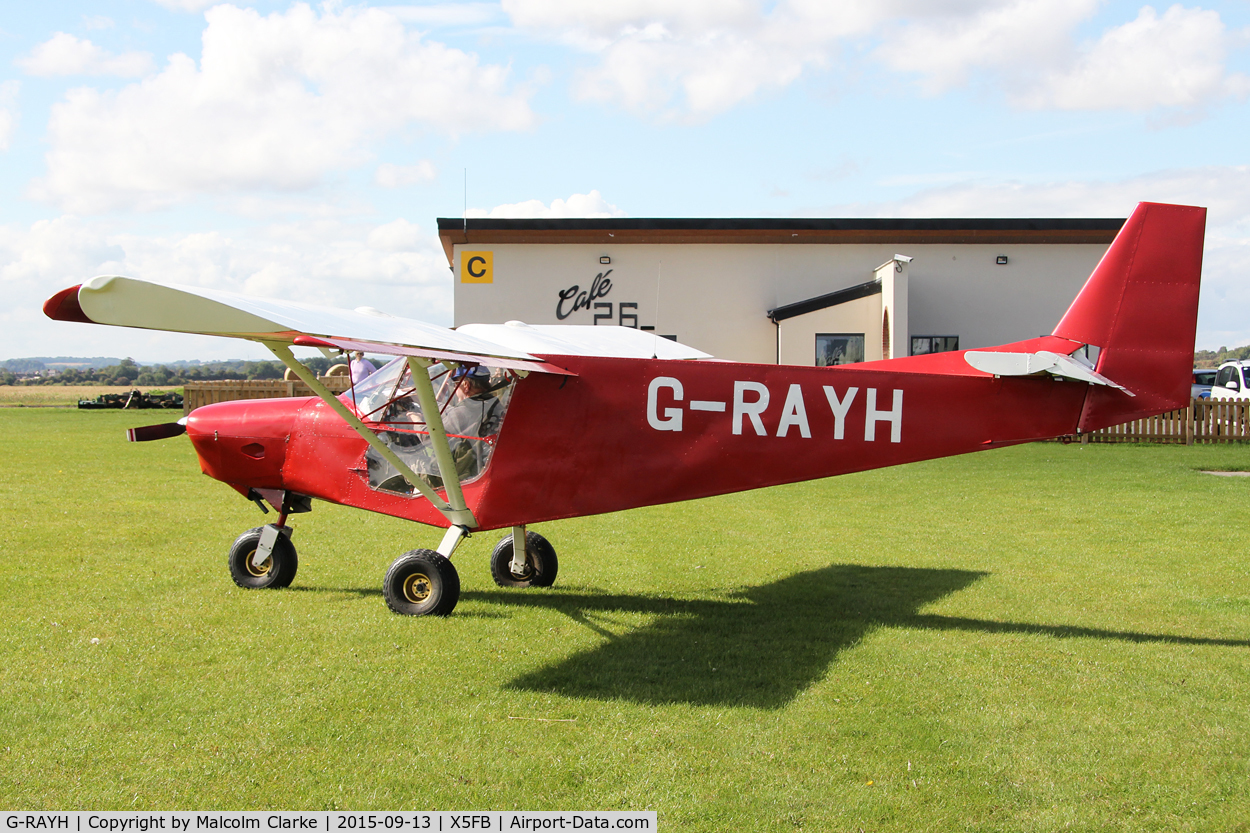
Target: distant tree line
1214 358
128 372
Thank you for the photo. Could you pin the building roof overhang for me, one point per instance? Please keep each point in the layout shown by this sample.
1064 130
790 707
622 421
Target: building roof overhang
832 299
454 231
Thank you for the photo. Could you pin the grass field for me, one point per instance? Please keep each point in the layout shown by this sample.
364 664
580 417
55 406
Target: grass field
59 396
1040 638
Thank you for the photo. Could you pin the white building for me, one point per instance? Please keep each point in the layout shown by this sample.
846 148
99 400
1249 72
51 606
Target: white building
816 291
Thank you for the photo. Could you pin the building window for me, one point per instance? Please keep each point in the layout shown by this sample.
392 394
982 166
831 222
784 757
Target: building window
839 348
933 344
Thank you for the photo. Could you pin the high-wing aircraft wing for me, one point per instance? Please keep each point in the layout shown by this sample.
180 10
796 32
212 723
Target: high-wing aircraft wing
582 340
127 302
279 324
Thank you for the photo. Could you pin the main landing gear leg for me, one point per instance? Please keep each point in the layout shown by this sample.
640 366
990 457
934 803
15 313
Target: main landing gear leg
532 564
424 582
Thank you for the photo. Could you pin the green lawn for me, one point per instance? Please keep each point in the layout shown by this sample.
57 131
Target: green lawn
1040 638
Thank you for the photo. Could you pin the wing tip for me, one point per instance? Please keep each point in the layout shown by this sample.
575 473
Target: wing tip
64 306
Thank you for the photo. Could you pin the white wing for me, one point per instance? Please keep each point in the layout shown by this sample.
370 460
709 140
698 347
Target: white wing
127 302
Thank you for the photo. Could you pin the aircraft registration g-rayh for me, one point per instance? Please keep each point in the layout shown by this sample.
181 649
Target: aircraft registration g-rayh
499 426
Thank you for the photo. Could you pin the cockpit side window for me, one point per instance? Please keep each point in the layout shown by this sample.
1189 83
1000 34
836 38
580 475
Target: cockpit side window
472 402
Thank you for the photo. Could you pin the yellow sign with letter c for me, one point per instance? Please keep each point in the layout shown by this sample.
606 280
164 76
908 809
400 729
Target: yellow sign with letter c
477 267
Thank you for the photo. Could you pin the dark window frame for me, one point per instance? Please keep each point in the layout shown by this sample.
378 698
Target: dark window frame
862 347
932 338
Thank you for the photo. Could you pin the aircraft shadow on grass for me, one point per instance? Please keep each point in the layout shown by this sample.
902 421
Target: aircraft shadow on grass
767 645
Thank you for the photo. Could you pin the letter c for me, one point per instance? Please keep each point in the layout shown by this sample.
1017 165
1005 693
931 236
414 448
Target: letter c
477 259
672 416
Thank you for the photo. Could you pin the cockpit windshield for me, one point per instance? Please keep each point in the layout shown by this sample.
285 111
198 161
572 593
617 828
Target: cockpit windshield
472 401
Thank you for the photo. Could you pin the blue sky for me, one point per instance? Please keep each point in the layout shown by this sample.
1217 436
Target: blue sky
305 150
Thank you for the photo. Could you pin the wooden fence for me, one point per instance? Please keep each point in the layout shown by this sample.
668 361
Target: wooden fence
197 394
1204 421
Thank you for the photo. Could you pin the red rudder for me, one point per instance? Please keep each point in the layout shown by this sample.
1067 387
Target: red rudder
1140 307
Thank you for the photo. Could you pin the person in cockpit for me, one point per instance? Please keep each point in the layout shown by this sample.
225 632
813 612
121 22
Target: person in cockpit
473 417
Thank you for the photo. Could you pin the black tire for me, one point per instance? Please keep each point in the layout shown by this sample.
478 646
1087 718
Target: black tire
277 571
541 563
421 583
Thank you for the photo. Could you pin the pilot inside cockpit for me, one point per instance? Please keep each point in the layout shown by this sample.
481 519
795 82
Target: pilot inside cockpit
473 417
472 399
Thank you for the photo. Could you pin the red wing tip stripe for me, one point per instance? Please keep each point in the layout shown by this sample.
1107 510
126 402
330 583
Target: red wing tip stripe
64 306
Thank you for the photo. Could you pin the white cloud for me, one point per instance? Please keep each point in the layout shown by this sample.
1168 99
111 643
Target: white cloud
397 176
8 111
1177 60
694 59
397 236
185 5
578 205
1225 190
607 21
275 103
1224 306
397 267
57 251
944 49
446 14
64 54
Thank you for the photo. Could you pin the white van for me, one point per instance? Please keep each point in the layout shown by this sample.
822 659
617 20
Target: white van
1231 381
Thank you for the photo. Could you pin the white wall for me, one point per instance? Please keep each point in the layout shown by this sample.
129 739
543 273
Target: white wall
715 296
863 315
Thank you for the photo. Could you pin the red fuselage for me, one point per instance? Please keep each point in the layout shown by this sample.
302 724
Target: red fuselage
632 432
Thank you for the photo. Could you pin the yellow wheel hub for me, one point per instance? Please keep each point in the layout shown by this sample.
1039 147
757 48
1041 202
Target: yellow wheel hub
253 570
417 588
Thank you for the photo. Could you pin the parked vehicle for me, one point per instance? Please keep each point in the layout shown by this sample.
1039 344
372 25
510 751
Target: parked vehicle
1230 382
132 399
1204 379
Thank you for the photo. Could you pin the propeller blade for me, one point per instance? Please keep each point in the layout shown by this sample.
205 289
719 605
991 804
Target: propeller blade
155 432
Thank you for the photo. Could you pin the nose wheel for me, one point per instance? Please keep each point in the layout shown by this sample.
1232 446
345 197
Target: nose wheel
263 557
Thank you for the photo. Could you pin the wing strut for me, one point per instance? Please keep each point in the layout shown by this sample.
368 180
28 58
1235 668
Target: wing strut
454 509
438 434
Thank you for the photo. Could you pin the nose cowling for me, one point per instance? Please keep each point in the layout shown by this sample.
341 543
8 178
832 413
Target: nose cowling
244 442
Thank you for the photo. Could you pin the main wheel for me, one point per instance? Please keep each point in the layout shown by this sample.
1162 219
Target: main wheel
278 570
421 583
540 567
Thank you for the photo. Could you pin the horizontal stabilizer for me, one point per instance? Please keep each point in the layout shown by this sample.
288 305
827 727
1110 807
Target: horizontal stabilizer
1043 361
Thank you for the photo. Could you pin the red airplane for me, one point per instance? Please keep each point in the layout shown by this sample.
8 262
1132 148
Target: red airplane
501 426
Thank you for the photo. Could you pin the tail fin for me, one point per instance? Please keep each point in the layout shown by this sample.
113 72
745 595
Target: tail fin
1140 307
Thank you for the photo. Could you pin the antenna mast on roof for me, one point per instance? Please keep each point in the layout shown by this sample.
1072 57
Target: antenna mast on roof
465 215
